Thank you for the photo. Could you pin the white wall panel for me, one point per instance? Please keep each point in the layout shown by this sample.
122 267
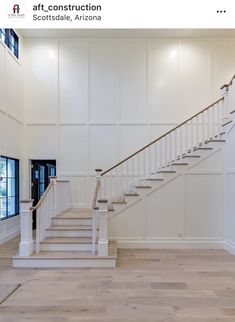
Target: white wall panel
223 63
132 81
2 77
204 206
74 149
164 81
103 148
213 163
132 137
14 138
41 80
103 82
42 142
230 144
129 224
78 191
14 77
2 132
160 129
195 76
73 81
165 211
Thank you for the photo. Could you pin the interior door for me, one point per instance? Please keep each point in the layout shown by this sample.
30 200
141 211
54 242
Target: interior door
41 171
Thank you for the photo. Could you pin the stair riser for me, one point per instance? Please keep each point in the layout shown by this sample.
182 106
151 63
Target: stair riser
66 247
69 233
55 263
70 222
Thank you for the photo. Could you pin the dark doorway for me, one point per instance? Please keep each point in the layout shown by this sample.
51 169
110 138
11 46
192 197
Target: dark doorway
41 171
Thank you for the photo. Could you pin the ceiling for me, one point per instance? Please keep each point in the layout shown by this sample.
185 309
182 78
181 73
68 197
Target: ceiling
127 33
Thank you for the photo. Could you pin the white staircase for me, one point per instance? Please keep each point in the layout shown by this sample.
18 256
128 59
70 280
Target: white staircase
79 237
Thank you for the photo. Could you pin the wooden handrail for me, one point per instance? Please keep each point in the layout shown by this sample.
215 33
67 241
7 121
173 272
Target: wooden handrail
42 197
160 137
229 84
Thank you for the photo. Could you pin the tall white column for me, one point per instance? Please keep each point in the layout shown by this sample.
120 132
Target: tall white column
26 243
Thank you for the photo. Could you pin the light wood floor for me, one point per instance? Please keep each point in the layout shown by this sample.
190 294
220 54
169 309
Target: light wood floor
147 285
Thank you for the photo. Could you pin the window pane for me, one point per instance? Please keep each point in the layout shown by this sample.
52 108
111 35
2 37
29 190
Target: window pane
11 188
11 206
3 188
3 167
42 189
11 168
2 34
3 208
42 174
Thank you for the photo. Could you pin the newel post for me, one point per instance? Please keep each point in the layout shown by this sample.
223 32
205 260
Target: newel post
54 195
26 242
103 228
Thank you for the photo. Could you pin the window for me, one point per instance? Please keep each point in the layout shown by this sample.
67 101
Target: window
10 38
3 34
9 187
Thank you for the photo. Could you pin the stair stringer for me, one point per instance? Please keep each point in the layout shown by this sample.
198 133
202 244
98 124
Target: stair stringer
146 241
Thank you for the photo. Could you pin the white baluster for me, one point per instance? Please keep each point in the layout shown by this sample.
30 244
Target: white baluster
191 135
180 141
144 169
165 151
160 153
170 149
150 160
155 158
138 167
127 177
197 131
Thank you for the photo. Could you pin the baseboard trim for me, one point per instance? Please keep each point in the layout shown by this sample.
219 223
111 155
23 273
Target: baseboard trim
176 244
229 246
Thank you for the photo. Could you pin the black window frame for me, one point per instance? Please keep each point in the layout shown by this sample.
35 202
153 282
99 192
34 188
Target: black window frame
17 186
13 46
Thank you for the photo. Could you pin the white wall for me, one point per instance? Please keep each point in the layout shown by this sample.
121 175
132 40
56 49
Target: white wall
11 120
187 212
89 103
230 191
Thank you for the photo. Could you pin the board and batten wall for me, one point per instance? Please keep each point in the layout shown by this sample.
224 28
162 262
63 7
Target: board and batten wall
90 103
230 191
11 121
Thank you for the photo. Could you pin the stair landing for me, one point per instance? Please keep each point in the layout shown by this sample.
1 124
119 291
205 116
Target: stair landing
63 259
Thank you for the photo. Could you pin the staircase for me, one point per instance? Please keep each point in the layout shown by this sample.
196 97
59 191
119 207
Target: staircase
79 237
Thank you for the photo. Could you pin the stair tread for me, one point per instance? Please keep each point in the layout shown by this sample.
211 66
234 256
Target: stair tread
203 148
191 156
131 194
179 163
73 215
70 227
154 179
147 187
67 240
